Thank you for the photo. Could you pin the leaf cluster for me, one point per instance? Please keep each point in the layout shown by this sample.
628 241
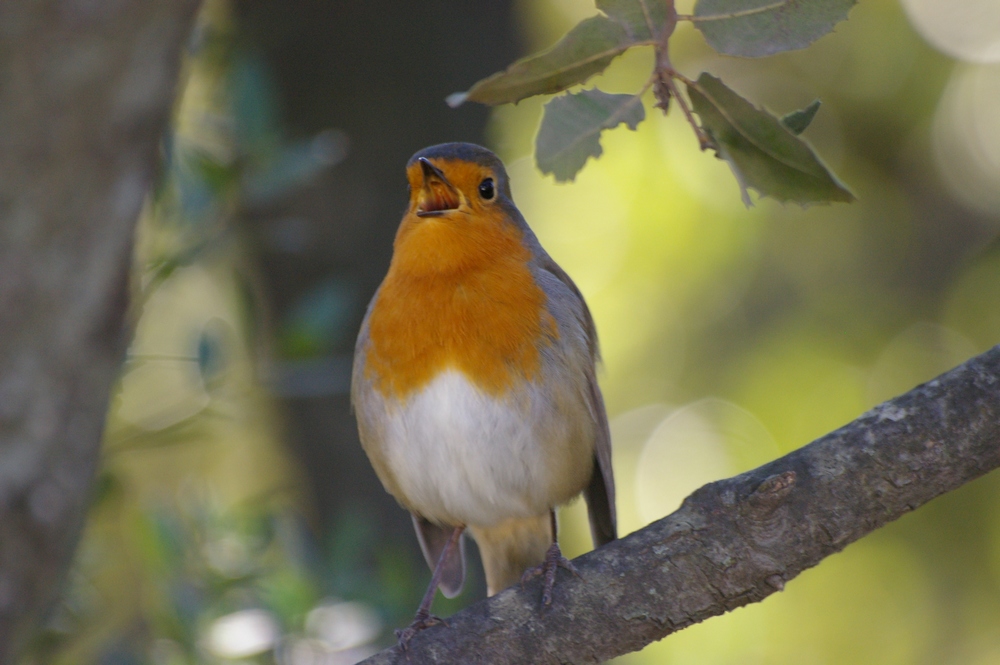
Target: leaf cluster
764 152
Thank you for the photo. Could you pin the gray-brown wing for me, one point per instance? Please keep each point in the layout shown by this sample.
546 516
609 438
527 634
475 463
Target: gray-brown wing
432 539
600 491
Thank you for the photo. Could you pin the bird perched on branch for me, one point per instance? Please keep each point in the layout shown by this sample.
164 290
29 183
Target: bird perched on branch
474 381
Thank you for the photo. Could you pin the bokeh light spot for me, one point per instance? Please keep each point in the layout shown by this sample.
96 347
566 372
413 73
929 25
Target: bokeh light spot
964 29
918 354
966 136
700 442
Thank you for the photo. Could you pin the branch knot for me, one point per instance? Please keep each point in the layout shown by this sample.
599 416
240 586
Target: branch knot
771 493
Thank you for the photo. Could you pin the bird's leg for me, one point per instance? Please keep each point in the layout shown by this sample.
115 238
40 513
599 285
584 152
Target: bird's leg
424 618
553 560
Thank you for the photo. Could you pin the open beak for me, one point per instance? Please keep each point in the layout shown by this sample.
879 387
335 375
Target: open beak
438 195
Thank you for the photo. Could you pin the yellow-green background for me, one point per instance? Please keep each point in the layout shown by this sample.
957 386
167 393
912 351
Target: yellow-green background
730 336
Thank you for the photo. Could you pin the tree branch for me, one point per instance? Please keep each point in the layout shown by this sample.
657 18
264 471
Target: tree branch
85 94
737 541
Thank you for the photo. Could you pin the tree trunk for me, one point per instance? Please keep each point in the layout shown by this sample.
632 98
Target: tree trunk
85 94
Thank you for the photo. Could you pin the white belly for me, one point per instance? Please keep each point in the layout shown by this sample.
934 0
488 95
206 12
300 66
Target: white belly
460 456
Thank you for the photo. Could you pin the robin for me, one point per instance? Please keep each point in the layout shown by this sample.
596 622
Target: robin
474 382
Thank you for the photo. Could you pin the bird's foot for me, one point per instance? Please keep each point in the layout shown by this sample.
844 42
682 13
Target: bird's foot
554 559
421 621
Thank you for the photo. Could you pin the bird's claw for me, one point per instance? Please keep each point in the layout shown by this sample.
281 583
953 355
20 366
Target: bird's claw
422 621
554 560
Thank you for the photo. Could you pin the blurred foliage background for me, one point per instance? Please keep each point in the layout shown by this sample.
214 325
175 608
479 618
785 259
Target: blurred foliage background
235 518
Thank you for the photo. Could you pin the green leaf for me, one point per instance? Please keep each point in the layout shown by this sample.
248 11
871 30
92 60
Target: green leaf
760 151
643 20
797 121
585 50
755 28
218 176
571 129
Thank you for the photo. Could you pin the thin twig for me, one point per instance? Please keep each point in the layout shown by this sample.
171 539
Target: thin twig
664 74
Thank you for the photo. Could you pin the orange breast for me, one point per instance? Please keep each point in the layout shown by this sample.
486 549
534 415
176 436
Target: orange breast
458 295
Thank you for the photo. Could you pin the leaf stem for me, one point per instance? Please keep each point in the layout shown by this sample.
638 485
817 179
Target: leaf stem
704 140
664 75
683 79
662 65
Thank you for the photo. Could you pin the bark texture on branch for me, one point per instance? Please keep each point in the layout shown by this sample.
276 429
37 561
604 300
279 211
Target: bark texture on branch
85 94
736 541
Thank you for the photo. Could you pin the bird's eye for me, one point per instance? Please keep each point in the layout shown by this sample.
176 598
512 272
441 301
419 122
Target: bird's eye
486 189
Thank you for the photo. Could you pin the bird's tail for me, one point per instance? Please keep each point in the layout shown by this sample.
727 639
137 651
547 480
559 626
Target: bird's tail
511 547
433 540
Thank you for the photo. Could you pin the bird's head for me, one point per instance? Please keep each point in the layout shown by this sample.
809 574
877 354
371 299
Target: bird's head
460 216
452 180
